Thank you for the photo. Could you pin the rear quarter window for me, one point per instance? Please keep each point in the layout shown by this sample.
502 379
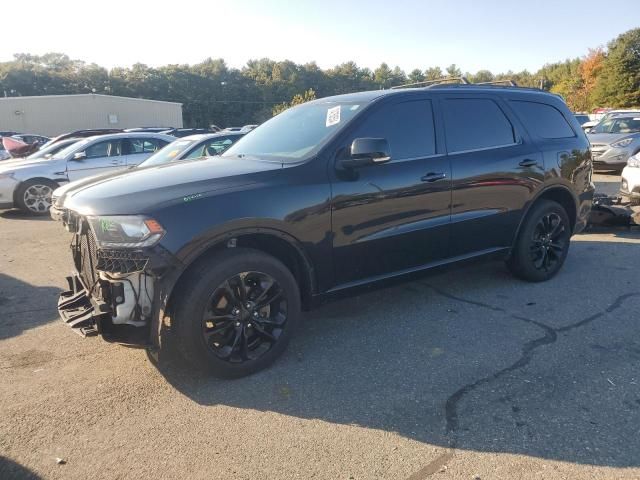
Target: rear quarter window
542 120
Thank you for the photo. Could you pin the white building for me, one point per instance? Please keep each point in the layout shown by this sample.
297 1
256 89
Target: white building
55 114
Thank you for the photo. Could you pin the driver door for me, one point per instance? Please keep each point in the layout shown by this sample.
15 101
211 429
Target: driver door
394 216
100 157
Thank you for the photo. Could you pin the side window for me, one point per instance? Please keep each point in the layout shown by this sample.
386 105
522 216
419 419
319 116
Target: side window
197 152
214 146
542 120
407 126
217 146
108 148
474 124
134 146
151 145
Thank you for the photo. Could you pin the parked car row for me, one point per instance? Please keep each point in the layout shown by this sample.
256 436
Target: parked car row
38 141
28 183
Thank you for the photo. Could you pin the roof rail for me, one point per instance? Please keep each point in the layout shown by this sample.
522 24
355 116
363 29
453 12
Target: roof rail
426 83
507 82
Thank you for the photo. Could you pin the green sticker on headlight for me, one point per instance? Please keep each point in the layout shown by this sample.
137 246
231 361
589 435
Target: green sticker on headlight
105 225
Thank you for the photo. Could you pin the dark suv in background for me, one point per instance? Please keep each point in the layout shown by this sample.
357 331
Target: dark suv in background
332 194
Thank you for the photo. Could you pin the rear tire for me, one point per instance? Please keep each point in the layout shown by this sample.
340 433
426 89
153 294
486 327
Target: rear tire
34 196
542 244
236 312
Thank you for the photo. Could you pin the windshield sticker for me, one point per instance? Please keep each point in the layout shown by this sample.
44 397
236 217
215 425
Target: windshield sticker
333 116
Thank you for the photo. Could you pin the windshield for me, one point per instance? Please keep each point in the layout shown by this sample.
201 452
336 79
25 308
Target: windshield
70 149
167 154
296 133
618 125
50 150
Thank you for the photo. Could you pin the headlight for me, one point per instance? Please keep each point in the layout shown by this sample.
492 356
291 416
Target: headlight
622 143
634 161
7 175
126 231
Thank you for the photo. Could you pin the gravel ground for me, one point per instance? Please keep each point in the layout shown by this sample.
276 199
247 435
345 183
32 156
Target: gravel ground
464 374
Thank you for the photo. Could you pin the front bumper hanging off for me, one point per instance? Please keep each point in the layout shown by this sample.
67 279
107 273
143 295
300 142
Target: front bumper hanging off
79 310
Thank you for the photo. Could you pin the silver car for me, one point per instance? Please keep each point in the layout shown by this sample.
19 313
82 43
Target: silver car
28 183
182 149
614 140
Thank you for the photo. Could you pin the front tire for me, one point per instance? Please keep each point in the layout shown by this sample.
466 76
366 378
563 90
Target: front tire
236 312
34 196
542 244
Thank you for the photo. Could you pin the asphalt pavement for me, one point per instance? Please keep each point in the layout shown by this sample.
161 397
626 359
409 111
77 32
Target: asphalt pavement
466 373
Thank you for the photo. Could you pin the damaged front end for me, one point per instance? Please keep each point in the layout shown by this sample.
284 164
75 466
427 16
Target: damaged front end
113 291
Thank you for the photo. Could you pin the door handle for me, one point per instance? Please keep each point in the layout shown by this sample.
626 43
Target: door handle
527 162
433 177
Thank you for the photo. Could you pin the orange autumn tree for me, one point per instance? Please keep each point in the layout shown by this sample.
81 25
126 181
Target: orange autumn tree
589 70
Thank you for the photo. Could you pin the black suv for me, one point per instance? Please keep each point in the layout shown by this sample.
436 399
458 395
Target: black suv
332 194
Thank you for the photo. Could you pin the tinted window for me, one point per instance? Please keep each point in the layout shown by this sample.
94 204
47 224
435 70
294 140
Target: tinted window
475 123
141 145
407 126
103 149
542 120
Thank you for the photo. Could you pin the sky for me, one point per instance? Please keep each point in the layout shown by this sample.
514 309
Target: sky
497 35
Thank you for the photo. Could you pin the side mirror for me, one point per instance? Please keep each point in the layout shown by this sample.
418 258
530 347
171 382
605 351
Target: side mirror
80 156
367 151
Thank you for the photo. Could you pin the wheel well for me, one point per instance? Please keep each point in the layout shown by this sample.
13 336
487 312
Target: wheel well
36 179
271 244
564 198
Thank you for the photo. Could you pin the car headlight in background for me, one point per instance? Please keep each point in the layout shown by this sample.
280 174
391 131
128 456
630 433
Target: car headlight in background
126 231
634 161
622 143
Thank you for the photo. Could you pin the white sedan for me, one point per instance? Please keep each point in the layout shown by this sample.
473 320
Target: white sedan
630 186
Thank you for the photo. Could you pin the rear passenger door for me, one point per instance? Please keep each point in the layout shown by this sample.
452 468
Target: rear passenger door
495 170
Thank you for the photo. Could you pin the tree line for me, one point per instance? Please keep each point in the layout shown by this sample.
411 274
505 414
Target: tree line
214 93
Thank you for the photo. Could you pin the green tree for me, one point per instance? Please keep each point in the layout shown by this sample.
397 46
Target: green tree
433 73
296 100
454 71
415 76
619 81
383 76
482 76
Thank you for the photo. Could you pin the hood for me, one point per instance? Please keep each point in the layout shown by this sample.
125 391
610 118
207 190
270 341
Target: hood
609 138
20 163
139 190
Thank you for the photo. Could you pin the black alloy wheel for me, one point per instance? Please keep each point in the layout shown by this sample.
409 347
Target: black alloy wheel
542 243
548 242
235 312
246 316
